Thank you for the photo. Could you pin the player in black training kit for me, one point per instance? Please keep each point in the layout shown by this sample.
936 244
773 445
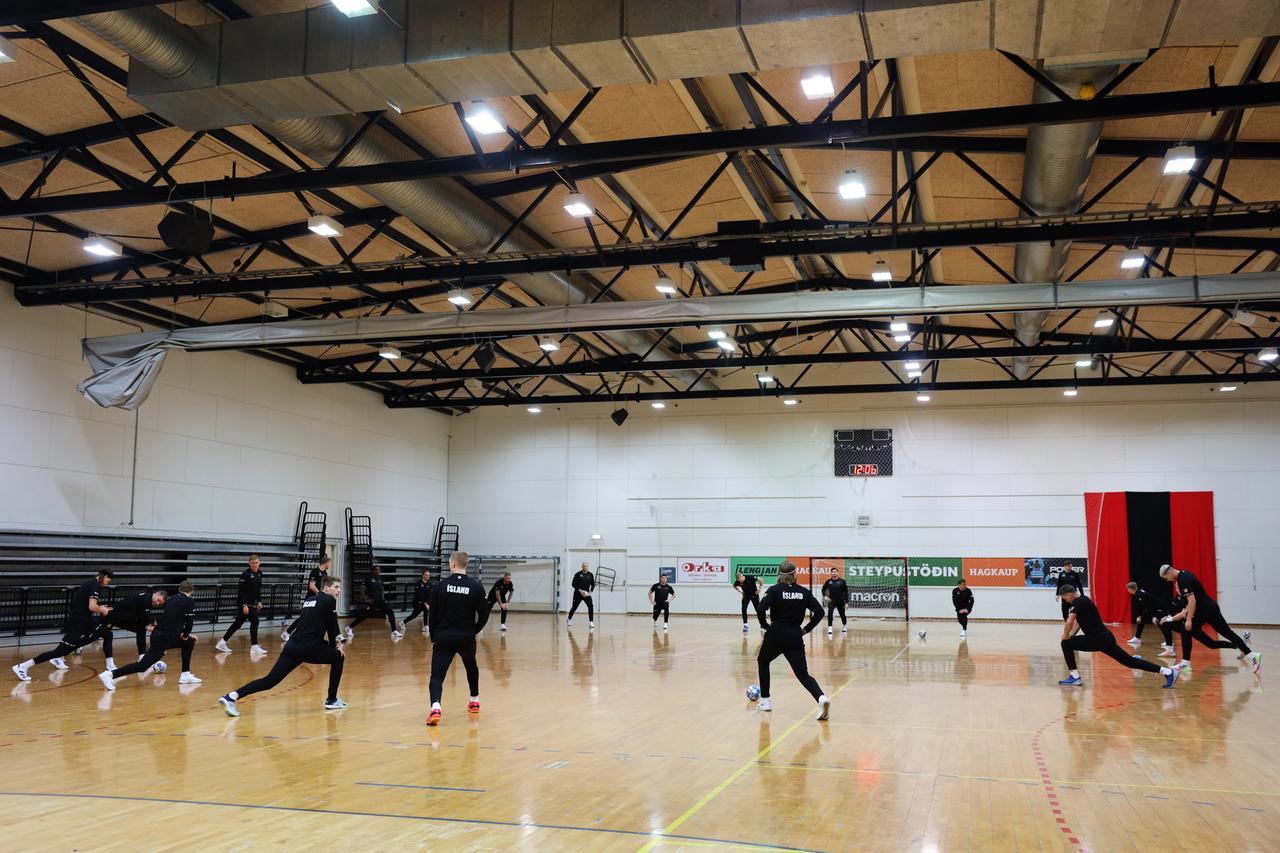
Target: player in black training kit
583 583
1095 637
458 613
1200 610
658 595
317 640
500 594
1150 611
376 605
962 601
132 613
788 602
249 602
173 629
83 625
749 586
835 592
1069 577
421 596
315 582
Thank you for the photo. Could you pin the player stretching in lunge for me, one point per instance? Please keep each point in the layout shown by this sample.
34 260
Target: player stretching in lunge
1200 610
583 583
1150 611
173 629
316 640
83 625
835 592
962 601
787 602
1095 637
500 594
315 580
458 613
421 596
658 595
376 605
749 586
132 613
249 602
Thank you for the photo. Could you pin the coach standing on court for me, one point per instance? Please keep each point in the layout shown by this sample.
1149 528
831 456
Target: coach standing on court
457 612
583 583
1069 578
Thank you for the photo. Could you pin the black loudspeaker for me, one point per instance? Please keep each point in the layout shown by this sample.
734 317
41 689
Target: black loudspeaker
618 416
485 357
187 232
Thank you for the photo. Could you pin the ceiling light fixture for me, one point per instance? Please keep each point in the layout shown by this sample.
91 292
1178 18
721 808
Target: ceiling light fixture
790 401
1084 363
1225 388
534 410
325 226
1179 160
765 379
914 374
716 333
658 404
8 53
1104 320
1268 355
902 337
923 398
576 204
817 84
1070 392
459 297
102 247
881 271
547 343
388 352
482 119
1244 318
898 325
1133 261
911 365
666 286
728 344
356 8
852 186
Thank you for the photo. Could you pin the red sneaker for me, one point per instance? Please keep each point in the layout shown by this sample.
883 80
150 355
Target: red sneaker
473 707
433 719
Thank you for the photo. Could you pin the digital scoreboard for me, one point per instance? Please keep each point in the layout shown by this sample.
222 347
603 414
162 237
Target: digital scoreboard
864 452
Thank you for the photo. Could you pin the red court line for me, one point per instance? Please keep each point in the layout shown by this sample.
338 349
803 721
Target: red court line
93 673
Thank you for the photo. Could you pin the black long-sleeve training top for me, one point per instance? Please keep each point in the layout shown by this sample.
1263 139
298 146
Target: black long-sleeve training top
458 606
584 581
176 618
318 622
249 587
787 604
962 599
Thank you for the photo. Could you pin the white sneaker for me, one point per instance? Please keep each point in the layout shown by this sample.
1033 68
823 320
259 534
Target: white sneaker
107 681
655 624
764 705
664 626
400 628
745 627
396 635
351 635
1166 652
1134 641
59 663
844 629
284 635
426 630
824 707
222 646
828 632
568 623
502 628
229 705
1255 661
188 678
109 664
591 625
257 650
963 633
20 671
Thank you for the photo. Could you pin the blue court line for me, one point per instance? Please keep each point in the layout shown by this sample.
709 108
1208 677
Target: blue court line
421 818
422 787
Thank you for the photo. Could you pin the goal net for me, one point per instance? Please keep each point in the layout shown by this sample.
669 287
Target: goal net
877 585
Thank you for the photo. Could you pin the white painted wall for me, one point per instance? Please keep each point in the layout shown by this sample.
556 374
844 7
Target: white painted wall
996 475
227 445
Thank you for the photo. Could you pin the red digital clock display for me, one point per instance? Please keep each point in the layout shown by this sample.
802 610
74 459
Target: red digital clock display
866 469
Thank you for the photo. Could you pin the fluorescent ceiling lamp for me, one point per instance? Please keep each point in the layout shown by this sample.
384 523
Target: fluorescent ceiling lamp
1244 318
728 344
1227 388
1084 362
790 401
102 247
666 286
1104 320
817 84
1070 392
548 344
534 410
912 365
922 398
325 226
914 374
852 186
1179 160
356 8
482 119
8 53
881 271
388 352
459 297
716 333
658 404
898 326
902 337
1268 355
576 204
596 537
1133 261
764 379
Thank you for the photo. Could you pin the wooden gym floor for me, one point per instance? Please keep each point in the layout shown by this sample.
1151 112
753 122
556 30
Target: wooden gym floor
631 740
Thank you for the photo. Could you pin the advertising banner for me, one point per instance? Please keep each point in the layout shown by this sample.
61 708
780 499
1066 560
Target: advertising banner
764 568
823 568
668 572
995 571
1044 571
874 571
934 571
703 570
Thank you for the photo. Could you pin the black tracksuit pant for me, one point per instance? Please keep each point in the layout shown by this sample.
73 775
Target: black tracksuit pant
1154 619
1105 643
579 598
963 619
831 612
665 609
294 655
139 635
377 608
252 618
418 608
70 641
444 646
788 642
1230 640
755 607
159 645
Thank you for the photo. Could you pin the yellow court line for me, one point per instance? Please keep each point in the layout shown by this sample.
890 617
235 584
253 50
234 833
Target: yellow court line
1058 782
1063 734
723 845
737 774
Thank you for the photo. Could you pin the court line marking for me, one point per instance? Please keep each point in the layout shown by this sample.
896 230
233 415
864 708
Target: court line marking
746 845
1063 734
742 769
423 787
93 673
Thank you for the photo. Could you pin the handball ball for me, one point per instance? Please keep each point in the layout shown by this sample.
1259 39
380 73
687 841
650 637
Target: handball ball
922 634
753 692
160 666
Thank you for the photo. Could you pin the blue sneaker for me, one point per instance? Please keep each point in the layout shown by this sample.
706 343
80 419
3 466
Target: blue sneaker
1071 681
1170 679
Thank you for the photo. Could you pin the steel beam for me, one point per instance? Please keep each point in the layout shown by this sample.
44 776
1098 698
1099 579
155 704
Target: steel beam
20 12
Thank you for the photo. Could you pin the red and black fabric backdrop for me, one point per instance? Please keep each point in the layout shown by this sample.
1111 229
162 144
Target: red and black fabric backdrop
1132 534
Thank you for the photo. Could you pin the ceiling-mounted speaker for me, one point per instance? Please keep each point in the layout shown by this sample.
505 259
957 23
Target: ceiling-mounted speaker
485 357
618 416
187 232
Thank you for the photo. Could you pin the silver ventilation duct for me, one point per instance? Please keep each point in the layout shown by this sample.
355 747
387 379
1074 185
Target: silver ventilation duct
1054 173
169 47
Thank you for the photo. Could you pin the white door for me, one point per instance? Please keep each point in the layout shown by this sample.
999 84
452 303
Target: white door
606 600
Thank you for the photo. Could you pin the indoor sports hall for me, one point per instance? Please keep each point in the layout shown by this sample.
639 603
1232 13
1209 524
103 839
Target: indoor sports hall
640 425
